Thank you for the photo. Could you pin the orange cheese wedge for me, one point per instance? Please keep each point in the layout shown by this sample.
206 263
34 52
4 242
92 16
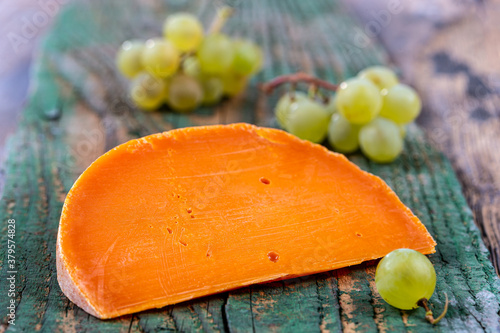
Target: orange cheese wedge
196 211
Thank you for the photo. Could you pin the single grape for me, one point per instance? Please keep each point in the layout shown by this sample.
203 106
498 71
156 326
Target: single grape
308 120
234 84
358 100
191 66
184 31
216 54
381 76
400 103
184 93
380 140
247 57
342 135
213 89
160 57
404 277
147 91
282 109
128 58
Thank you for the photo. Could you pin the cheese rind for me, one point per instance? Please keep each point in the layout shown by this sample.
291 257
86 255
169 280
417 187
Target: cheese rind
196 211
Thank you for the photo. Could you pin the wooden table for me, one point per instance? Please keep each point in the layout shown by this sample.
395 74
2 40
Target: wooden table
78 109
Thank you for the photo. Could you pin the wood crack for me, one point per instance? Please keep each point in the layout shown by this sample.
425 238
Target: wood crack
224 314
251 309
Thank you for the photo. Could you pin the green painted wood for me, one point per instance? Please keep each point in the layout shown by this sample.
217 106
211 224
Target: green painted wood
78 109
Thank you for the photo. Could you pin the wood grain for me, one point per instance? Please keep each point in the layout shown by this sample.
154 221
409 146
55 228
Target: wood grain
78 109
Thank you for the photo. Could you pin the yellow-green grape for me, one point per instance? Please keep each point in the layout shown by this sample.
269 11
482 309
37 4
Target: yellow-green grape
404 277
184 31
381 76
233 84
247 57
191 66
342 135
128 58
380 140
216 54
282 109
308 120
160 57
147 91
358 100
401 104
184 93
331 106
213 89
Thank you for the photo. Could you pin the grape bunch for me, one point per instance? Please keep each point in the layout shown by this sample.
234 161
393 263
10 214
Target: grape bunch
368 112
406 279
187 67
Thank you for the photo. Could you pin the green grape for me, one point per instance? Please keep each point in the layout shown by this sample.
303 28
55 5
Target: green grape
191 66
147 91
213 89
247 57
401 104
282 109
308 120
382 77
128 58
234 84
184 93
381 140
184 31
160 57
358 100
331 106
216 54
404 277
342 135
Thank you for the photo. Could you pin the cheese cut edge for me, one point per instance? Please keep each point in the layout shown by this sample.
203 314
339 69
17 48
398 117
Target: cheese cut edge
69 287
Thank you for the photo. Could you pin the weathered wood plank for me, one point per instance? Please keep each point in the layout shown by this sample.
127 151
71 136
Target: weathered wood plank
78 110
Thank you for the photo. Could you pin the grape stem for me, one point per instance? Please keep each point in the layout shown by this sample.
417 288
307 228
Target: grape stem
295 78
428 312
222 15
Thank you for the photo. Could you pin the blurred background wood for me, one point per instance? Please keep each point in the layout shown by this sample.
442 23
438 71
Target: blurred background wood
22 24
